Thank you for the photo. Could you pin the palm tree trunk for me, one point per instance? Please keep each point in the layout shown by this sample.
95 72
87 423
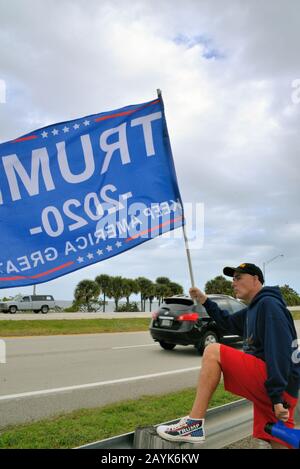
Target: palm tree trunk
104 298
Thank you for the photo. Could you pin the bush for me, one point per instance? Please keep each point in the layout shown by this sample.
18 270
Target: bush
72 309
93 307
131 308
290 296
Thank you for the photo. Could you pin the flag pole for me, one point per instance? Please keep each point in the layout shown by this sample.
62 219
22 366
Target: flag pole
187 249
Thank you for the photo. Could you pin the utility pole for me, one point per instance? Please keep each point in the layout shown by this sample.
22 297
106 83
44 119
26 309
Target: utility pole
268 262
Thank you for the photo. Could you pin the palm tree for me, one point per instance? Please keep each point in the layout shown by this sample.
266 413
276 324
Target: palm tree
115 290
104 284
86 293
163 285
129 287
161 291
144 285
175 288
162 280
150 293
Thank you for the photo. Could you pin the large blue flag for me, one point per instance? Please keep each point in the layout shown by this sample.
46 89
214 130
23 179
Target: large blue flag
78 192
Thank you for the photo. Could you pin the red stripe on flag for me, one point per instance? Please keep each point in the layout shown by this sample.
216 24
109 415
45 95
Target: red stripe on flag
22 277
124 113
53 270
114 115
154 228
23 139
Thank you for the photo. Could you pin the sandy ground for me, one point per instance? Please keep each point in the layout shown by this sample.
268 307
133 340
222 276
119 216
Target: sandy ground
249 443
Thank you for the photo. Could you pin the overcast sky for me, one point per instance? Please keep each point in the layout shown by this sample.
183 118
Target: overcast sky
226 70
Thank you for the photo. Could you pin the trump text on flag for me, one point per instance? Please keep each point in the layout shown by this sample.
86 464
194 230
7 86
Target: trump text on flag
77 192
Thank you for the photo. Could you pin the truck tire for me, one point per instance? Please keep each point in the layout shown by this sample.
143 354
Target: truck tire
13 309
45 309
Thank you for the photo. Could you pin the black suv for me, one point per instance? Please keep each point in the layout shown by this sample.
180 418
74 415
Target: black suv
181 322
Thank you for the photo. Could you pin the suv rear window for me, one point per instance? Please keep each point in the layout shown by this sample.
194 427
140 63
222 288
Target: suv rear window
179 301
176 307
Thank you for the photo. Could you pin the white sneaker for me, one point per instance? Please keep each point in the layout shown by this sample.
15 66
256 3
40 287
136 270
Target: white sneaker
186 430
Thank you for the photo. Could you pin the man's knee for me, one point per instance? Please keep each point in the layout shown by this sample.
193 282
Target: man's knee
212 351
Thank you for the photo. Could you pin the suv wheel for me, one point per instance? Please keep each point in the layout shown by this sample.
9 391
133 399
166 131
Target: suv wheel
44 309
166 346
210 337
13 309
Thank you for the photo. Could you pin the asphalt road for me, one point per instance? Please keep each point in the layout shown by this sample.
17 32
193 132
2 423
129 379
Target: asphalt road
44 376
37 363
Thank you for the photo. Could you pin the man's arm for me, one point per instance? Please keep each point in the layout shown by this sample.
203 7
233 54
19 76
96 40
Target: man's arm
233 323
277 343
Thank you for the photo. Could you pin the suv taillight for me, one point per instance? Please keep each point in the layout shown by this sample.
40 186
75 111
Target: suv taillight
188 317
155 315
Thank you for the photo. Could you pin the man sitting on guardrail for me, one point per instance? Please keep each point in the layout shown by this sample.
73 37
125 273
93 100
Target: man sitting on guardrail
267 371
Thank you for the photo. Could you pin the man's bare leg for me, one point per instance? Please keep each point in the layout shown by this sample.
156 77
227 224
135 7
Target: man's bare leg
209 379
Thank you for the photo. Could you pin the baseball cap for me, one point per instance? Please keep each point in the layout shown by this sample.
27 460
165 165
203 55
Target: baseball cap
244 268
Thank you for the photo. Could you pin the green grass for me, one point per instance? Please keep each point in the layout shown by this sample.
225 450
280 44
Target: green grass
88 425
69 326
78 326
296 314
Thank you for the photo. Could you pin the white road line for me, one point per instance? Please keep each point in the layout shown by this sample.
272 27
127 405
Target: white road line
134 346
94 385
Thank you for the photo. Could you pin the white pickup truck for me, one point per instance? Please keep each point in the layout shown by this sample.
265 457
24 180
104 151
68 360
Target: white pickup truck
35 303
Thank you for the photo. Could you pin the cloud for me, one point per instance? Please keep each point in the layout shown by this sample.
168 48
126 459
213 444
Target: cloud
226 77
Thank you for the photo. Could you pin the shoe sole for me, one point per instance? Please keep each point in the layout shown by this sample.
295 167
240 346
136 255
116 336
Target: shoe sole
181 439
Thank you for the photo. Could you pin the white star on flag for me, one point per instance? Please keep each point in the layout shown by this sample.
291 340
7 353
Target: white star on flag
51 160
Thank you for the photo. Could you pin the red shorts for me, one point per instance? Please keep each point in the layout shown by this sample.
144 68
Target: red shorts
245 376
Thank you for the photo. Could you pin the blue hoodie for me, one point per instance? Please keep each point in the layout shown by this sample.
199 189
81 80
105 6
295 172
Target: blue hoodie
269 334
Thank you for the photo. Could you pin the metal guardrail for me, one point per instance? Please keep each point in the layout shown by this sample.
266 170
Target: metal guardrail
224 425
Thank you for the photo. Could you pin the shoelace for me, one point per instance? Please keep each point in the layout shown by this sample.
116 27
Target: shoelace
178 424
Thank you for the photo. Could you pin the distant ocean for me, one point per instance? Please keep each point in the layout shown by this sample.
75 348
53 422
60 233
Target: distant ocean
110 306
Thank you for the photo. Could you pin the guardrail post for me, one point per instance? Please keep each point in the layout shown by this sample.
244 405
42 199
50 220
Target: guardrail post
147 438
